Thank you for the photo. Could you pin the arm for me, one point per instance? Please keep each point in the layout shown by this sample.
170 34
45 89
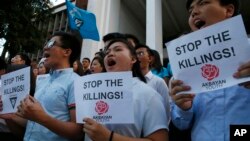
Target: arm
181 109
98 132
16 125
31 109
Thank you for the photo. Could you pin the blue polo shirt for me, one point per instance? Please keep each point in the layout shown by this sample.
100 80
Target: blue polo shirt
55 92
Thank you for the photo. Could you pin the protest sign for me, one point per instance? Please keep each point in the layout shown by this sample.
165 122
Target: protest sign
105 97
207 59
15 86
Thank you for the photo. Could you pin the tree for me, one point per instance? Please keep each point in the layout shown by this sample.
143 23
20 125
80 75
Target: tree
17 25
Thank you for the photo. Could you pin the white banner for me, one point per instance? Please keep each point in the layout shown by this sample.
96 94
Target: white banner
105 97
207 59
15 86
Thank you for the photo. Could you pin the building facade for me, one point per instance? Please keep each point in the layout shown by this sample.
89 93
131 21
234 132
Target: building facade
154 22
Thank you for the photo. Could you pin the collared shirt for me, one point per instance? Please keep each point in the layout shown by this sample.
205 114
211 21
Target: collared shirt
56 95
149 113
161 87
213 112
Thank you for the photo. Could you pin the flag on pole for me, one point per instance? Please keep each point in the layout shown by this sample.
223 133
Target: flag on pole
83 21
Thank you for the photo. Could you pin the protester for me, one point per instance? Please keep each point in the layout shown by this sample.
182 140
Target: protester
144 55
51 113
78 68
21 58
97 65
42 69
85 64
210 114
149 113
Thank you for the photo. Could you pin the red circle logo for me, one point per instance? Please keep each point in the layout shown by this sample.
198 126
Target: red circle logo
210 71
101 107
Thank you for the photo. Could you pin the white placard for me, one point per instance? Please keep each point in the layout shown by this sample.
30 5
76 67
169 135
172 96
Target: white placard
15 86
207 59
105 97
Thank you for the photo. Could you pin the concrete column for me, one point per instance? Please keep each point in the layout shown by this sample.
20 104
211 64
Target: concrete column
107 18
154 25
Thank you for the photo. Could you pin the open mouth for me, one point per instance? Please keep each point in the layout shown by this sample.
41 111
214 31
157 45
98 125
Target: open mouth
199 24
46 55
111 62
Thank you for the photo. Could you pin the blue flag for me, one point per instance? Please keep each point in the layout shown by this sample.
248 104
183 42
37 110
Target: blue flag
83 21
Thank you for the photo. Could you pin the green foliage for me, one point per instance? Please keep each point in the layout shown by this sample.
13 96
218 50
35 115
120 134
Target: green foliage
19 24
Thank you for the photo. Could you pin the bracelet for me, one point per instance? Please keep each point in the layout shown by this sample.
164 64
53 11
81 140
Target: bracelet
111 136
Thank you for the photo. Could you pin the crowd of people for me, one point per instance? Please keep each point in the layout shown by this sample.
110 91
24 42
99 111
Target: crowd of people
48 113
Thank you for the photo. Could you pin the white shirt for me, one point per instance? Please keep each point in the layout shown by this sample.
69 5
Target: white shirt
161 87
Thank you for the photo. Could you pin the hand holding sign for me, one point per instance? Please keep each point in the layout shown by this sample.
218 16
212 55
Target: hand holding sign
243 71
95 130
31 109
211 56
183 101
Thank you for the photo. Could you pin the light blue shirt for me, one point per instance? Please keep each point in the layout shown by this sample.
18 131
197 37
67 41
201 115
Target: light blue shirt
56 95
213 112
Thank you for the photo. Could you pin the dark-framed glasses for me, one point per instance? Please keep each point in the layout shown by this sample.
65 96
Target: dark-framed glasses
140 53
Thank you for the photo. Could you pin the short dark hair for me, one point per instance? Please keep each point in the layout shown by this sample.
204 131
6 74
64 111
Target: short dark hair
100 53
112 36
133 37
236 4
25 57
144 46
86 58
70 41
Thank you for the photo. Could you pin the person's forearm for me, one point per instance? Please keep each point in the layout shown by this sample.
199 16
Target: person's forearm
70 129
16 128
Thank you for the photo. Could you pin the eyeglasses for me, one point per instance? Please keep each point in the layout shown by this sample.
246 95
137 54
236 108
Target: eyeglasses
50 44
140 53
